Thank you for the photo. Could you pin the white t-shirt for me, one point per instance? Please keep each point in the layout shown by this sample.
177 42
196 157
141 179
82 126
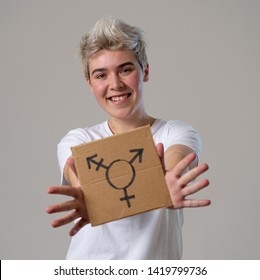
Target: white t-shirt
151 235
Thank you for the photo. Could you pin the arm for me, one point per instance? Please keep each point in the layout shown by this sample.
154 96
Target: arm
175 154
181 169
76 206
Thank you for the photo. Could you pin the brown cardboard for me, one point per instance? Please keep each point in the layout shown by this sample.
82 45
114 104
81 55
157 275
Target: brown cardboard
121 176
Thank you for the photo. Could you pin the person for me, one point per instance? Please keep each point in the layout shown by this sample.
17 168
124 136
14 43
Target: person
115 65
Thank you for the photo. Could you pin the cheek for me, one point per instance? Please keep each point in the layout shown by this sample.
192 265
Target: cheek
135 82
99 90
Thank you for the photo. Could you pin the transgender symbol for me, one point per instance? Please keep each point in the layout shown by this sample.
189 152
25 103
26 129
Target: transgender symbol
119 164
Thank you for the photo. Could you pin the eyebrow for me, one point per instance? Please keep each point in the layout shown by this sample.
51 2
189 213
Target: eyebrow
118 67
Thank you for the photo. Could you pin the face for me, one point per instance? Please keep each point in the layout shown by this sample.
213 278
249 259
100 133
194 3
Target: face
116 79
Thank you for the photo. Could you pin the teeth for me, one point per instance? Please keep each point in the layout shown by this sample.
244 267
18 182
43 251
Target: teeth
119 98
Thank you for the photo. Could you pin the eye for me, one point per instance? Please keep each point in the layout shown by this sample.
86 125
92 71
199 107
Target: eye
100 76
126 70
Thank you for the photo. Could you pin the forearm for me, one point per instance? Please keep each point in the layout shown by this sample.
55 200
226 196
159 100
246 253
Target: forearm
175 154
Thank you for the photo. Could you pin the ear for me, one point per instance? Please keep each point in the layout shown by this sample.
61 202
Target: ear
146 73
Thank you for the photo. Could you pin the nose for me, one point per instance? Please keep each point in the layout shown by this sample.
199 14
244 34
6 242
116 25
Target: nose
116 83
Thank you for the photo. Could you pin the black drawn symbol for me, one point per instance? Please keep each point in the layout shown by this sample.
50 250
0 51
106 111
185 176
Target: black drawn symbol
119 164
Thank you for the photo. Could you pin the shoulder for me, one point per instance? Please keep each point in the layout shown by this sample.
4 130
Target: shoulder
76 137
83 135
177 125
173 132
171 127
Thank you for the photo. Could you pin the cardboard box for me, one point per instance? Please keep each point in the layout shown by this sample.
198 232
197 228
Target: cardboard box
121 176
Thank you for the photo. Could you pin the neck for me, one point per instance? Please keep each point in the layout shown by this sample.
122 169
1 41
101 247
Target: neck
119 126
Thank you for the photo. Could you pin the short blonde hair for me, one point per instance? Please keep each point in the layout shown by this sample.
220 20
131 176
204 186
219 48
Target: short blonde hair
112 34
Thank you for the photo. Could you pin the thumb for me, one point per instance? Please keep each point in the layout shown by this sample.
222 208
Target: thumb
72 166
160 151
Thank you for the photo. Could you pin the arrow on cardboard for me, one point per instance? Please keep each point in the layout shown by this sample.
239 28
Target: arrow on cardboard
99 164
139 154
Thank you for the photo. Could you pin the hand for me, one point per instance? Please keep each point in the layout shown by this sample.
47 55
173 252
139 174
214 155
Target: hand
181 185
77 204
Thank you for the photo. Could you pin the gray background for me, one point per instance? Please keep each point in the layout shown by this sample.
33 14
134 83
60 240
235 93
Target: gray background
205 70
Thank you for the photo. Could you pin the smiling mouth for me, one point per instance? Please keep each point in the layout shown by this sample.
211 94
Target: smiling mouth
118 98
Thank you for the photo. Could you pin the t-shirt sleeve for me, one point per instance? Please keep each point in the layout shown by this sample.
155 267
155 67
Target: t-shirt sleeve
179 132
72 138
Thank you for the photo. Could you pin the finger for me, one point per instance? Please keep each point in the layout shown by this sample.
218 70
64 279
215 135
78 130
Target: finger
66 219
78 226
183 164
71 164
160 150
61 207
193 174
63 190
188 190
192 203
